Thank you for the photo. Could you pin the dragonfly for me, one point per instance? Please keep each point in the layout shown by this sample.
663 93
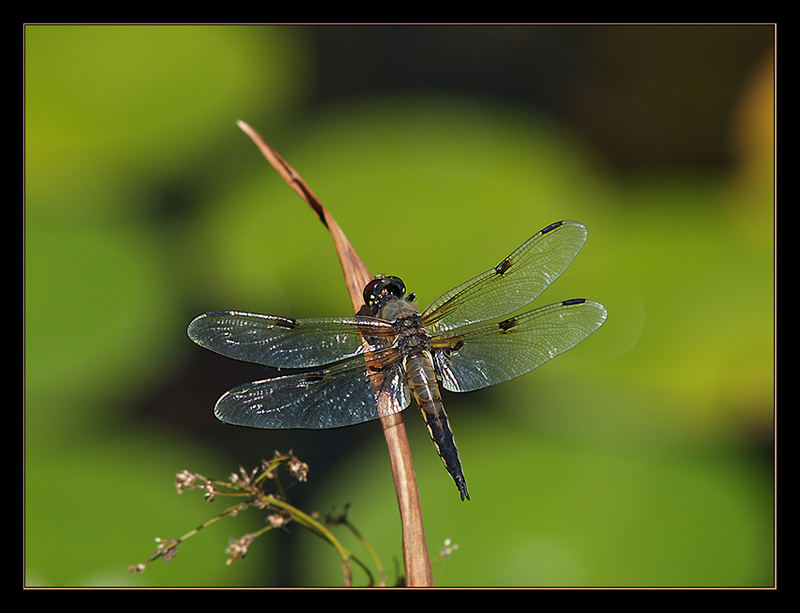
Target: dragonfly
363 367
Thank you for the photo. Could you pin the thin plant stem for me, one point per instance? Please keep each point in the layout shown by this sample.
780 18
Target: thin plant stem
373 554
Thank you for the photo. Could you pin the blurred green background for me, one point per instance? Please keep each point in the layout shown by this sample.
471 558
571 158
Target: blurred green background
644 457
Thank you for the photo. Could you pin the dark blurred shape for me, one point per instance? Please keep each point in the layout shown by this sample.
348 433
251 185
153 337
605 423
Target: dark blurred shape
657 96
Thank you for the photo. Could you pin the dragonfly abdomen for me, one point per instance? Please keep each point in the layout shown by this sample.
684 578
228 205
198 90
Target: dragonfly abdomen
422 382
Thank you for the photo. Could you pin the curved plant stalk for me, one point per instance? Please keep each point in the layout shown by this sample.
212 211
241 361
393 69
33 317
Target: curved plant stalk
321 531
342 520
357 275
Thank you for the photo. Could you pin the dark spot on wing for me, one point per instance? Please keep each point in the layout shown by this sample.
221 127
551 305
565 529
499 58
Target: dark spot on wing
313 377
222 314
452 348
573 301
502 267
552 226
286 322
507 324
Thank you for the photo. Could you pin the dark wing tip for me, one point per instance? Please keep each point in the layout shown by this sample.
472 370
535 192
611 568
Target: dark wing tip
552 227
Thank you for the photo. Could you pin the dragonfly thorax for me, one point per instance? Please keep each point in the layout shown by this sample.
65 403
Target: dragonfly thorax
412 338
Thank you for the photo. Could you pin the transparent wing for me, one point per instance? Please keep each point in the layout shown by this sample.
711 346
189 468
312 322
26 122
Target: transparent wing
347 393
513 283
282 342
494 351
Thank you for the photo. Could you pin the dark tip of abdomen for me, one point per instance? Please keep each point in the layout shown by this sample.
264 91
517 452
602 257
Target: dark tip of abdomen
461 483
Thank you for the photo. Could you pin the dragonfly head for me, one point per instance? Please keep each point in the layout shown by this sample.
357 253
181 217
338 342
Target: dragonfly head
381 289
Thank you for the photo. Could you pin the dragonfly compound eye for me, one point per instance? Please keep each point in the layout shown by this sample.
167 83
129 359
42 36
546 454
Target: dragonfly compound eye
377 290
395 286
371 291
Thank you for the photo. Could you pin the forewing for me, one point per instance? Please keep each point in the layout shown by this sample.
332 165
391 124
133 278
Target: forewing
513 283
283 342
347 393
494 351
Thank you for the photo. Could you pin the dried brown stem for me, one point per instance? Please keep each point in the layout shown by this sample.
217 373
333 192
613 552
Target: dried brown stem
357 275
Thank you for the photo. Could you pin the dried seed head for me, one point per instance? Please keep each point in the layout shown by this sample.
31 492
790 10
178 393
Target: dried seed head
277 520
238 549
166 549
297 468
186 479
211 491
170 553
449 548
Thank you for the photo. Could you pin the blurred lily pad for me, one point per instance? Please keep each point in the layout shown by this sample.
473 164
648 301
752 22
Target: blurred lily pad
552 512
99 317
109 107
